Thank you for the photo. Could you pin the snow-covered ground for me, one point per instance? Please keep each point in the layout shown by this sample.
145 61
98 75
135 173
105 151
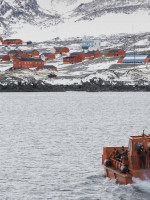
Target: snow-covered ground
103 68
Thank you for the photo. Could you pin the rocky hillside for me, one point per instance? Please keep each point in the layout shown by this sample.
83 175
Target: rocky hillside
17 14
97 8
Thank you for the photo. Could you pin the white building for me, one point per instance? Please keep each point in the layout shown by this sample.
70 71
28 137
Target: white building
90 45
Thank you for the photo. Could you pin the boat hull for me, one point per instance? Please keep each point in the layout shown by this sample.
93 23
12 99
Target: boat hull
128 178
118 176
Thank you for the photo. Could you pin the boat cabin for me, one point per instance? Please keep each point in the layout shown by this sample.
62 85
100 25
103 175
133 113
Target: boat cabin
135 144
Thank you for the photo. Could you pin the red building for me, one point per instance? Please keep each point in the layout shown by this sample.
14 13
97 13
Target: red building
72 59
33 53
78 54
4 58
147 60
50 67
11 41
12 53
47 56
1 39
93 54
28 63
120 59
116 52
61 50
21 55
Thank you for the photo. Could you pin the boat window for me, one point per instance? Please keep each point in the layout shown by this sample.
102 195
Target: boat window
137 145
130 145
148 146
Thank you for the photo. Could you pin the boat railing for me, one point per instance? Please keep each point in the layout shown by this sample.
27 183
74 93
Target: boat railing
115 163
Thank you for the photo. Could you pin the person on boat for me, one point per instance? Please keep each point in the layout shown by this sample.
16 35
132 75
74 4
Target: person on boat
113 153
148 157
142 155
123 151
117 155
124 155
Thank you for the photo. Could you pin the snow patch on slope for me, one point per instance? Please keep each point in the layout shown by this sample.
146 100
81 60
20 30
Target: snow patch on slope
108 24
142 42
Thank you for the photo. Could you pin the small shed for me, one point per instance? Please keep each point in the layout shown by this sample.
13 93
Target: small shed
115 52
29 42
72 59
61 50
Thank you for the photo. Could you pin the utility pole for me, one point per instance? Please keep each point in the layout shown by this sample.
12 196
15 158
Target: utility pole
134 51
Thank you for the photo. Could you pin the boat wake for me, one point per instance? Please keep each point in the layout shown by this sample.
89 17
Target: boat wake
141 185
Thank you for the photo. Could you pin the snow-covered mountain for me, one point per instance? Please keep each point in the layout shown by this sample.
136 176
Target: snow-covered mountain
15 14
46 19
97 8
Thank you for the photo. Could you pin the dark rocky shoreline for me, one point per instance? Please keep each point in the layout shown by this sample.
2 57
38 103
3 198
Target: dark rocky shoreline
40 86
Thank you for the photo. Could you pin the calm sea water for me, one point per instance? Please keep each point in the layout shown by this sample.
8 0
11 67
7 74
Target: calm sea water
51 144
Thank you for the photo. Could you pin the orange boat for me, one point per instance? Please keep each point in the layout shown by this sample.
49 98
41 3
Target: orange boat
126 163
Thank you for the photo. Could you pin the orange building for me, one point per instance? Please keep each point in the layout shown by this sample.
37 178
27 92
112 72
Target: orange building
11 41
93 54
120 59
72 59
12 53
21 55
47 56
32 53
61 50
147 60
115 52
78 54
28 63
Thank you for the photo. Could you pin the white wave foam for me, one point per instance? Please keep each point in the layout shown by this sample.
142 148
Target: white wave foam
142 185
